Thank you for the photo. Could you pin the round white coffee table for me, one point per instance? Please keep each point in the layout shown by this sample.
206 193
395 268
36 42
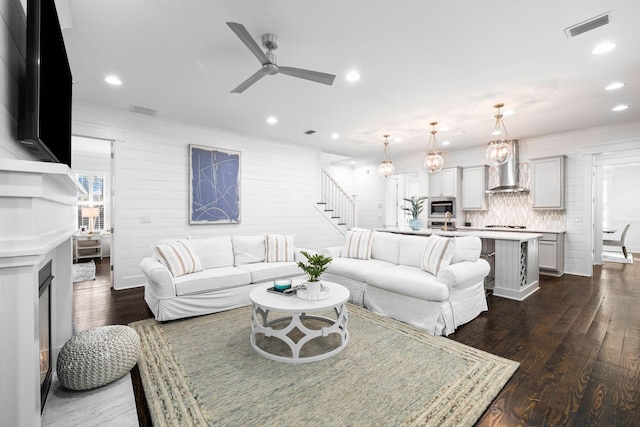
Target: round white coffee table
296 310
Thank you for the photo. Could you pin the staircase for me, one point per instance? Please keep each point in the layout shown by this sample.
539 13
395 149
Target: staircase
336 205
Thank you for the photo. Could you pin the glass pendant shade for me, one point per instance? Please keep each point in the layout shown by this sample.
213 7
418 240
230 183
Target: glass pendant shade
499 151
386 167
433 161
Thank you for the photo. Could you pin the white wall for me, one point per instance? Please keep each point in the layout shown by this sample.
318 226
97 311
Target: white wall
623 202
279 185
13 44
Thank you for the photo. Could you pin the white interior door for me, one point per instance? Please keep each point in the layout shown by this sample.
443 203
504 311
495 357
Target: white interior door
391 202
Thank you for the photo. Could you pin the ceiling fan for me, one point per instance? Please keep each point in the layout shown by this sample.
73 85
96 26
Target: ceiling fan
269 61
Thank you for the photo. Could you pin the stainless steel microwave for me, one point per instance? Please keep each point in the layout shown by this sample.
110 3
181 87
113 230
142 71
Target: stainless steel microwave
439 206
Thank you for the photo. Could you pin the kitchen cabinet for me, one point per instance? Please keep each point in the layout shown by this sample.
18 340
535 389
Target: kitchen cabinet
474 187
547 182
445 182
551 254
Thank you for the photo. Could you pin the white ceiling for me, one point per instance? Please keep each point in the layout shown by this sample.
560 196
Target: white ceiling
419 60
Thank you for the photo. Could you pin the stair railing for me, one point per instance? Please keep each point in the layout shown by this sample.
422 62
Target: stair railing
337 200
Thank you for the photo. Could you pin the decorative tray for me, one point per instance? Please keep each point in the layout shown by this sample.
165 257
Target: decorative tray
287 292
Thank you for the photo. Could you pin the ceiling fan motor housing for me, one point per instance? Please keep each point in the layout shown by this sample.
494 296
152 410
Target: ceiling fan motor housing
270 41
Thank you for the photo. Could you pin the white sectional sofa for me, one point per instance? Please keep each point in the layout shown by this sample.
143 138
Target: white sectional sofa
191 277
388 276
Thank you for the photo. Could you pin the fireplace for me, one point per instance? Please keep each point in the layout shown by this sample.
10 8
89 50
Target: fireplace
44 302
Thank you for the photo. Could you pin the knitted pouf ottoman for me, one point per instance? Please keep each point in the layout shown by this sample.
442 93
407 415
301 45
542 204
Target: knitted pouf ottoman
97 357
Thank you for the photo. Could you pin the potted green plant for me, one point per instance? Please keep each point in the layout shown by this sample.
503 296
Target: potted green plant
316 265
416 207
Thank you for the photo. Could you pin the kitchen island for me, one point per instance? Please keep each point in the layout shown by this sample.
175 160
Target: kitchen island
513 257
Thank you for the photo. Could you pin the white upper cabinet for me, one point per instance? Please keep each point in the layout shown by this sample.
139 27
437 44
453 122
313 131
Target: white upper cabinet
474 187
547 183
444 183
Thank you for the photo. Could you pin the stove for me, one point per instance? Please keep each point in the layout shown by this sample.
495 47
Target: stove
510 227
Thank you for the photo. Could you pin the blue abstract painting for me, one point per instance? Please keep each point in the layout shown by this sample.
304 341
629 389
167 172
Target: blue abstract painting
215 185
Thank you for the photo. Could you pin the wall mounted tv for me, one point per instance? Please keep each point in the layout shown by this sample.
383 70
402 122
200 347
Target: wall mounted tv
44 126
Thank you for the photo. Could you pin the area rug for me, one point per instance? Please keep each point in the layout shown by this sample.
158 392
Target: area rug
83 271
203 371
617 257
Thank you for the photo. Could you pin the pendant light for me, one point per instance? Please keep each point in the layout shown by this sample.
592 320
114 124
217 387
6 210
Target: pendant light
499 150
386 167
433 161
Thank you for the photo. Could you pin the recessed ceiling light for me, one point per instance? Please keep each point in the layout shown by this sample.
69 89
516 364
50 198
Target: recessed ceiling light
603 48
113 80
444 128
335 136
353 162
508 112
353 76
614 86
272 120
620 107
446 142
398 140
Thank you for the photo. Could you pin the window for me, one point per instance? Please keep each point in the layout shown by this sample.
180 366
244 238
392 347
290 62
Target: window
95 184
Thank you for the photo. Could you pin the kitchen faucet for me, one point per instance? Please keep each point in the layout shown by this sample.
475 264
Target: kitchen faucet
447 218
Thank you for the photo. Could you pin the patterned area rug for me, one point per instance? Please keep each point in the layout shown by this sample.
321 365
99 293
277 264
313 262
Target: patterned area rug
83 271
203 371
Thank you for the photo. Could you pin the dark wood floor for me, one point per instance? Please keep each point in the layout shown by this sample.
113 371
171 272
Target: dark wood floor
577 340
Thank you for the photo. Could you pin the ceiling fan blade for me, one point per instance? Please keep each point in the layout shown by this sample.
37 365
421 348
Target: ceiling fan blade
314 76
246 38
251 80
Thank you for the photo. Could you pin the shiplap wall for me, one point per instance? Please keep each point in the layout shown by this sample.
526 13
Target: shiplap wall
279 185
579 146
13 44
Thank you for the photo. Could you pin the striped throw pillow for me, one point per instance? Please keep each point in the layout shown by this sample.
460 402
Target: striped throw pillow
278 248
358 244
437 254
179 257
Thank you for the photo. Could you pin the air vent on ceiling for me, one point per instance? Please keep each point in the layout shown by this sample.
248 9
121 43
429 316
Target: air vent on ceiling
142 110
588 25
310 132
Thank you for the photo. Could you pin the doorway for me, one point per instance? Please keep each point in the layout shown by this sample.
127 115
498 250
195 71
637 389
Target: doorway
616 199
91 162
397 188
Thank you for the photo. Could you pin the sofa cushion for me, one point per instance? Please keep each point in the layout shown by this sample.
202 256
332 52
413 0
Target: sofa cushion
409 281
467 248
214 252
357 244
248 249
411 250
179 257
386 246
356 269
265 271
437 253
213 279
279 248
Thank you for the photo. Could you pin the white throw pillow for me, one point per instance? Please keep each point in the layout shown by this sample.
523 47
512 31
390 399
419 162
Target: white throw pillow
248 249
179 257
214 252
279 248
386 246
437 254
467 248
357 244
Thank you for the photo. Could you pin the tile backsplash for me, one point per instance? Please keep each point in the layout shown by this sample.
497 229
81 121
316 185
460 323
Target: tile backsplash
515 208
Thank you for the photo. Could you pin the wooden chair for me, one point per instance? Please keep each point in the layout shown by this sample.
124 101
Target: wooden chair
620 242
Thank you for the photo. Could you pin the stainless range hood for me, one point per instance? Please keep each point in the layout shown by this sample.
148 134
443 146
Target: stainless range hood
508 174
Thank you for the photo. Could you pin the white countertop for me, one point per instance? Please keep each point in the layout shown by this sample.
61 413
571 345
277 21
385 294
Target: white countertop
483 234
514 230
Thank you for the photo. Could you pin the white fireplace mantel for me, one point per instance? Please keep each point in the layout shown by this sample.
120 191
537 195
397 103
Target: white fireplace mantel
37 221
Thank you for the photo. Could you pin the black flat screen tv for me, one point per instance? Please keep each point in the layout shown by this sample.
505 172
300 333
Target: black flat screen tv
44 126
